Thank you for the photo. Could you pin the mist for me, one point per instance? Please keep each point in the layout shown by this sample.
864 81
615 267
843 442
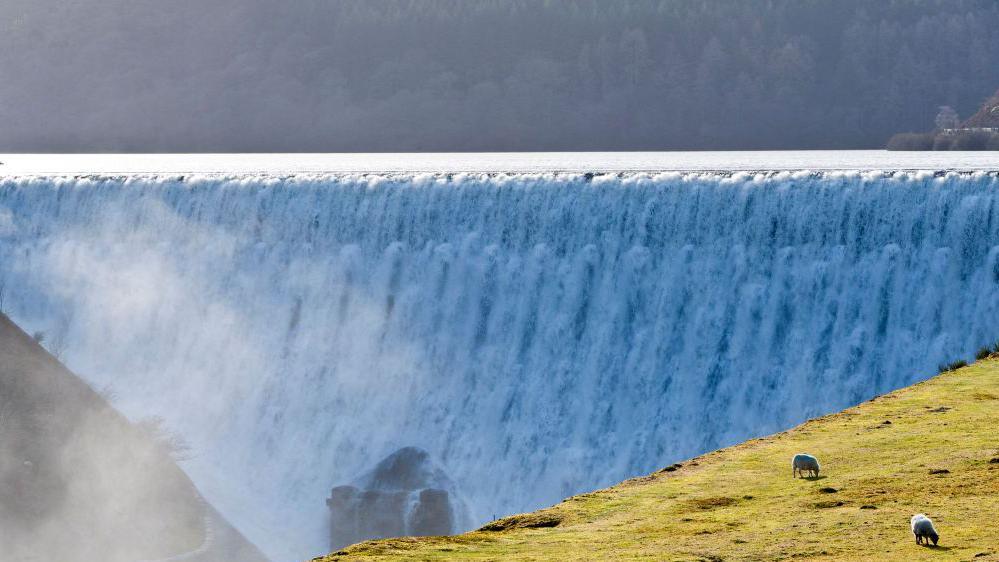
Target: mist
167 310
449 75
79 483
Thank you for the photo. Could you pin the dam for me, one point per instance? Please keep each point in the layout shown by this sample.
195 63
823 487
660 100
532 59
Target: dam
540 329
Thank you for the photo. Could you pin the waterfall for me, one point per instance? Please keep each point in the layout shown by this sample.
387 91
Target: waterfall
539 334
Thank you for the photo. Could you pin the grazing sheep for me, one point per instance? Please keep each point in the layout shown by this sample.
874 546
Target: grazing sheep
802 463
923 530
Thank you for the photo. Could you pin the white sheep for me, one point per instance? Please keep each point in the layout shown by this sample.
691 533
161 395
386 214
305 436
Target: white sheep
802 463
923 530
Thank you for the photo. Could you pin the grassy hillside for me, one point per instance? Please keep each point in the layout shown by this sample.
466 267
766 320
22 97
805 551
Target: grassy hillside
932 447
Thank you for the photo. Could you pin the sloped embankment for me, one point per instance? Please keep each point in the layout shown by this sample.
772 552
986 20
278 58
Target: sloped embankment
78 482
930 448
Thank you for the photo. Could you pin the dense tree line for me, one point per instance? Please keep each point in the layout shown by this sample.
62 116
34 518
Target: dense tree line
322 75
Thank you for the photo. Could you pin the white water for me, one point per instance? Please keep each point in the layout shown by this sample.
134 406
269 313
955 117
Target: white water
539 334
503 162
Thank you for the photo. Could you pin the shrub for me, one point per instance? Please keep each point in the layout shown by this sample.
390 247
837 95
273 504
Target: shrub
174 445
953 366
108 393
970 141
987 351
911 141
942 142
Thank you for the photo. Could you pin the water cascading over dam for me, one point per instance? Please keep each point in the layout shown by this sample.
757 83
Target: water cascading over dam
539 335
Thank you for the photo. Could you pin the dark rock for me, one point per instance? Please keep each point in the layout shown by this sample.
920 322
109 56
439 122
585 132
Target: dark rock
828 490
826 505
712 502
939 471
405 494
432 514
408 468
994 461
868 507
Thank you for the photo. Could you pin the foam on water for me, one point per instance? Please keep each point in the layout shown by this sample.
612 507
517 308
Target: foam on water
538 334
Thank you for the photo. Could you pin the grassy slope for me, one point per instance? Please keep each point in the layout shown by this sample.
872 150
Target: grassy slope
740 503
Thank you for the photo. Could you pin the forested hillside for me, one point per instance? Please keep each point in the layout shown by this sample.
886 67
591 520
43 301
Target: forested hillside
321 75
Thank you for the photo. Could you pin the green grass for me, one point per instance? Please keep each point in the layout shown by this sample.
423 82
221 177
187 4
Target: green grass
741 503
